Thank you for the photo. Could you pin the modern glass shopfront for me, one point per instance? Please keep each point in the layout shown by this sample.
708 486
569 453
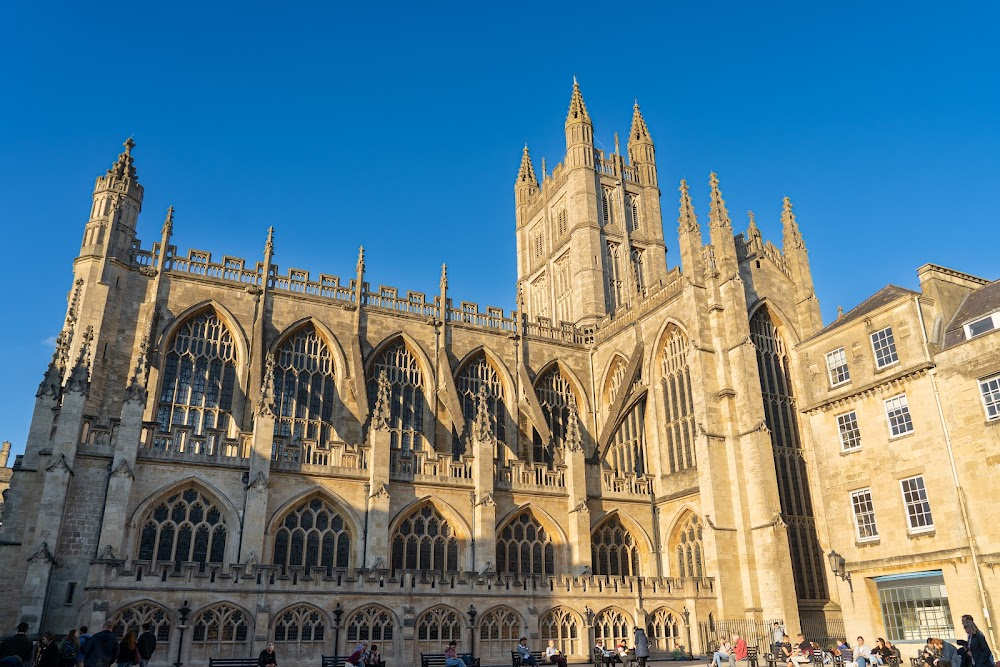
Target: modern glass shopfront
915 606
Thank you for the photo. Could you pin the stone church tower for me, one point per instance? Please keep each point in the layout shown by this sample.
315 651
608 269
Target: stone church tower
274 455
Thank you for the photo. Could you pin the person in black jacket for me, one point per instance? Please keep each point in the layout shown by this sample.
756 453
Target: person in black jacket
101 650
146 643
267 657
18 645
979 649
48 651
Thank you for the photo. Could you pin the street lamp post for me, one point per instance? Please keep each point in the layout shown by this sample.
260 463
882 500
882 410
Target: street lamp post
839 566
338 611
183 612
472 628
687 626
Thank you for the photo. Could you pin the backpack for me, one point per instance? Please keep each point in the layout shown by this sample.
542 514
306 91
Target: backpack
68 651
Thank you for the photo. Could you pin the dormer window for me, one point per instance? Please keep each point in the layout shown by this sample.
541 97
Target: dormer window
982 325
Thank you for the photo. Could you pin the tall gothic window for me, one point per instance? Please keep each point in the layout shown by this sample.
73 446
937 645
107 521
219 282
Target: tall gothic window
313 534
556 396
689 548
539 292
499 629
563 627
222 629
436 627
614 276
301 624
793 487
525 547
199 376
185 527
564 289
639 269
663 630
613 550
134 617
606 211
425 541
612 625
678 399
371 624
633 210
304 387
406 396
627 454
479 372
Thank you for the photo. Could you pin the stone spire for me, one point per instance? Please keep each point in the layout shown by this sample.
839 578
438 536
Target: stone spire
754 239
168 223
689 237
579 132
443 284
526 174
577 107
51 384
79 377
639 134
687 220
718 215
790 234
269 245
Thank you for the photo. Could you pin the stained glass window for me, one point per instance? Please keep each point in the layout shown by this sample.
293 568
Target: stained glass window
613 550
185 527
425 540
304 387
313 534
524 547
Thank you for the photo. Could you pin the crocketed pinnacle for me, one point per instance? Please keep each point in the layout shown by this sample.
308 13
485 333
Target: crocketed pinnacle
752 230
577 107
168 224
444 278
790 235
269 244
360 266
79 377
526 174
124 166
687 222
639 132
718 215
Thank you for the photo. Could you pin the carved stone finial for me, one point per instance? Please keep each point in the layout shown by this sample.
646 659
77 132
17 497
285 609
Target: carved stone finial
718 214
444 278
79 378
168 224
687 221
361 262
543 168
129 145
754 237
124 166
840 312
42 553
526 172
574 439
617 148
791 236
265 403
51 384
382 414
482 427
269 244
136 390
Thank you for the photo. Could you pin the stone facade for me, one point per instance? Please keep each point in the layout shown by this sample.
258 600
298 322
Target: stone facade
903 426
313 459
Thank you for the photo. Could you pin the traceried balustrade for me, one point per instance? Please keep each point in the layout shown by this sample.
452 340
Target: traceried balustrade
628 483
405 466
297 454
527 476
182 444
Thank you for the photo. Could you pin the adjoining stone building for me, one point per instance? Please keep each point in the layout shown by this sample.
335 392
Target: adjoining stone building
903 424
309 458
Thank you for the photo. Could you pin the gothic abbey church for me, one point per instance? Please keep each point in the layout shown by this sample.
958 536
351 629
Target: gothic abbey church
239 453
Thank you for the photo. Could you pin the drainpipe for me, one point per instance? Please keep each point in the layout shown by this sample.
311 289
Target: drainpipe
954 472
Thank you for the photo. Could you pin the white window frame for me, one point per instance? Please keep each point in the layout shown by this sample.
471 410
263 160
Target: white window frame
873 523
888 418
830 368
875 349
990 386
994 317
914 504
840 429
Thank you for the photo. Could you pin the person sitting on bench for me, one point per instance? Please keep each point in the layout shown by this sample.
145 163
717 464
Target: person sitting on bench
525 653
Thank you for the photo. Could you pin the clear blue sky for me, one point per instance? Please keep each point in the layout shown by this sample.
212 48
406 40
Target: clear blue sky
400 125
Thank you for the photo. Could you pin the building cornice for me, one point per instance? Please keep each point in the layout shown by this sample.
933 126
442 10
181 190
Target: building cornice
870 389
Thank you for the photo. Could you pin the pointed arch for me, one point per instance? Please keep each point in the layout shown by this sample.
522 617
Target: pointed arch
784 324
230 512
299 631
575 382
437 626
371 623
614 378
543 517
619 546
221 629
169 328
411 393
429 535
415 348
340 363
559 394
625 454
613 624
525 546
506 379
565 627
479 369
201 355
653 353
134 615
663 628
315 530
673 363
498 629
342 506
686 546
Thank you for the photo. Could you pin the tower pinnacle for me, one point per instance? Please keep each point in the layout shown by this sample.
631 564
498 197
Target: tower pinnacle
577 107
640 131
687 221
526 174
791 236
168 223
718 215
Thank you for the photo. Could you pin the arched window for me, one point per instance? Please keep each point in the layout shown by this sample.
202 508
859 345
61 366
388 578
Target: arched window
185 527
301 624
563 289
499 629
304 387
639 269
689 548
781 417
616 293
406 396
562 626
436 627
627 454
425 541
606 210
370 624
678 399
663 630
633 209
313 534
556 396
137 615
524 547
477 373
612 625
613 550
199 376
221 630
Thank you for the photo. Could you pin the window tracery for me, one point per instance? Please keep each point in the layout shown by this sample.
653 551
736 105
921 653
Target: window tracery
436 627
555 393
499 629
563 627
613 550
135 616
689 548
199 376
627 453
425 540
313 534
302 624
371 624
633 209
678 399
406 396
612 625
564 289
663 630
614 278
220 625
304 387
479 372
525 547
185 527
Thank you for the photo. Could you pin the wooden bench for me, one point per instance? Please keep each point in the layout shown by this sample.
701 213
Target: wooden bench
515 658
437 659
232 662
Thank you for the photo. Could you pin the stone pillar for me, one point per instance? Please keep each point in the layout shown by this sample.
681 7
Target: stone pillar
377 537
111 544
576 488
484 507
4 453
255 512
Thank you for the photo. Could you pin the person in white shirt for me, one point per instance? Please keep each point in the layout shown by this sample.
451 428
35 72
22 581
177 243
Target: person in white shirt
862 654
554 655
722 655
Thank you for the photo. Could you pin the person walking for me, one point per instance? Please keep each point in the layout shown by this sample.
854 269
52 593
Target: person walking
979 649
146 644
69 650
641 646
101 650
83 638
267 657
48 651
128 650
18 645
